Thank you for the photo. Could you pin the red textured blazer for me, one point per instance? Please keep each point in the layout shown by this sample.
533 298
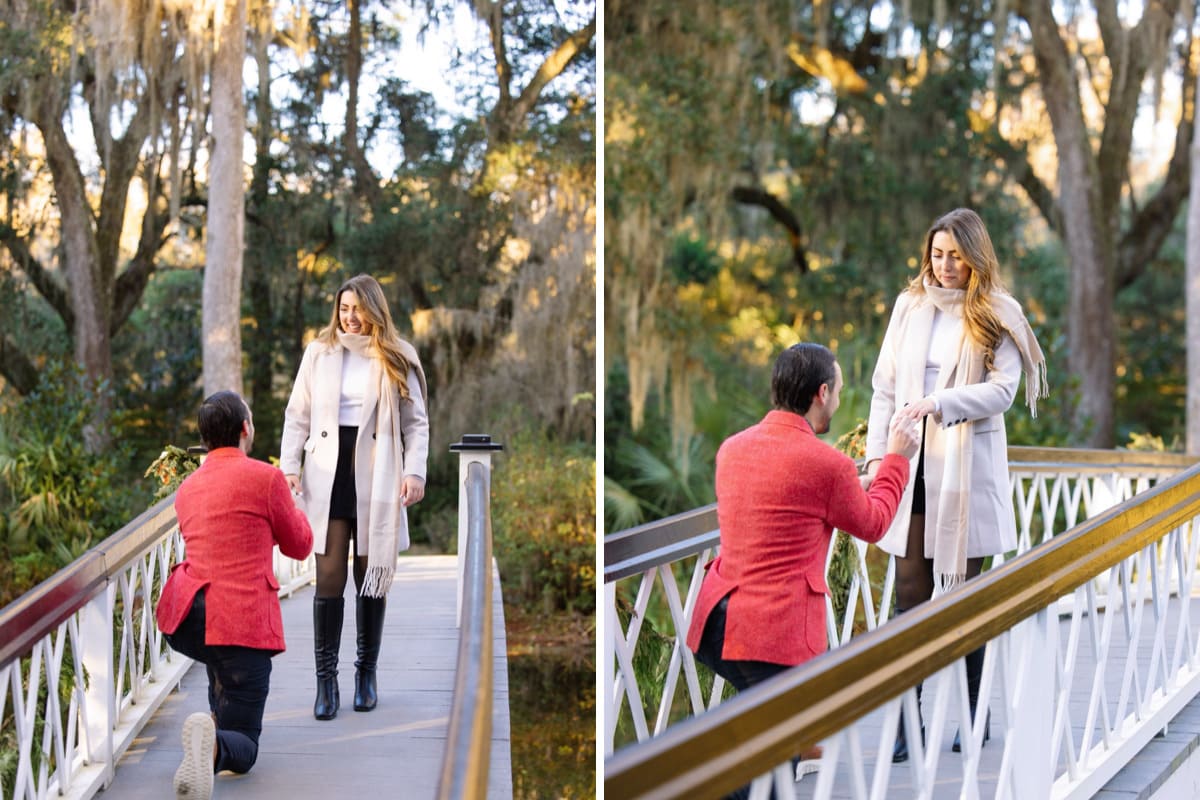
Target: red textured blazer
232 511
780 493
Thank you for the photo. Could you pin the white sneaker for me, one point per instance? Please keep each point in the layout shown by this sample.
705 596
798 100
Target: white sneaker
194 778
807 768
810 762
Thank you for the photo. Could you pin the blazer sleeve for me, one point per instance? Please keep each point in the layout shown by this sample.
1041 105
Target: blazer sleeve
289 525
297 416
867 515
414 425
991 397
883 383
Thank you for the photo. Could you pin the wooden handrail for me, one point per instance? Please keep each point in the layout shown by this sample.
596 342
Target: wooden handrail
465 764
709 755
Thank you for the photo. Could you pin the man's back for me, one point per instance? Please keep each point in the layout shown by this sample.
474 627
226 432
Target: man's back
780 493
232 511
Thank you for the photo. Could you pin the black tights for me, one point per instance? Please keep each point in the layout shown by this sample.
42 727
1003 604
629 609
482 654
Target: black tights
914 572
331 567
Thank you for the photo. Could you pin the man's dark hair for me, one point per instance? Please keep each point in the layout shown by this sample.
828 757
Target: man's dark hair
221 418
799 372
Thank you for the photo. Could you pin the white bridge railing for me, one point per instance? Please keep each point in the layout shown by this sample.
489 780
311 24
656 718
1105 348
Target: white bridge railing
1073 695
83 665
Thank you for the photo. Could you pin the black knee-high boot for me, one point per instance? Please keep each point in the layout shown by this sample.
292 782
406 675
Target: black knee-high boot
369 615
974 677
327 638
900 751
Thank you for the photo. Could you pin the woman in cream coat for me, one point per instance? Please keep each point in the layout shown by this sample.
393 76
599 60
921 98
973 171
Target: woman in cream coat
952 360
357 419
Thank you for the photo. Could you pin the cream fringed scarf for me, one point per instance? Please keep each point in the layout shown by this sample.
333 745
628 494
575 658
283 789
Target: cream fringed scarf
385 524
953 512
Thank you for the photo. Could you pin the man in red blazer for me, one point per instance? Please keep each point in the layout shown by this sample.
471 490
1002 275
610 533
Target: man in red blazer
220 605
780 493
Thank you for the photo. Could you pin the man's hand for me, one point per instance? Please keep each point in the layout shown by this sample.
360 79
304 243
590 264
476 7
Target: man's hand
411 490
904 435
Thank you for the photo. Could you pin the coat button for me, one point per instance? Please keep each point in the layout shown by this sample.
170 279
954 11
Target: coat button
324 434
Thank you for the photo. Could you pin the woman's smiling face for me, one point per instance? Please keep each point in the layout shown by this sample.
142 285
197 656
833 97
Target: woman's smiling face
349 315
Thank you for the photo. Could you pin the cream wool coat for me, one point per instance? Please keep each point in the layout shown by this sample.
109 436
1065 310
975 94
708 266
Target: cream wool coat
311 427
899 379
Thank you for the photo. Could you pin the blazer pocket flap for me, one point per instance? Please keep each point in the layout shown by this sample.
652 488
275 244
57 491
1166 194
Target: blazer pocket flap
272 582
817 583
987 425
310 444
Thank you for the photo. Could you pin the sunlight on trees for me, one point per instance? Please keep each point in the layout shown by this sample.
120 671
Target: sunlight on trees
811 162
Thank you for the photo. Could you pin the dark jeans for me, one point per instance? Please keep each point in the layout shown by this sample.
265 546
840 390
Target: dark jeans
742 674
238 680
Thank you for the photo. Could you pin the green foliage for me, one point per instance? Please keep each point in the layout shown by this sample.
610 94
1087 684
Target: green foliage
544 523
158 359
841 567
692 260
170 468
56 498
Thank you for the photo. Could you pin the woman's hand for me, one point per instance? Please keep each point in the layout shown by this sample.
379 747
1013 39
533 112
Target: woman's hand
915 412
412 490
293 482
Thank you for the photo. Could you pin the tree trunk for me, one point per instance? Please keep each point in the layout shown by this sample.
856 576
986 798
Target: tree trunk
222 308
89 297
366 184
1090 240
1192 292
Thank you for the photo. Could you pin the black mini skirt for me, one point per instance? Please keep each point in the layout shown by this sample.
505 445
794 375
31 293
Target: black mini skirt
343 501
918 502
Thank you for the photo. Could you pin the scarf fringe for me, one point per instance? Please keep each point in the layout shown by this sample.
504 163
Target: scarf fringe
1036 385
377 581
943 583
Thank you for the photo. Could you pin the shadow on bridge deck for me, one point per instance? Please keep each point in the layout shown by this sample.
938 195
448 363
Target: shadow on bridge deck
399 744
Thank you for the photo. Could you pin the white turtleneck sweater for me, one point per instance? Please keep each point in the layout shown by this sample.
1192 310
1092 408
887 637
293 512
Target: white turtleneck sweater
943 347
356 370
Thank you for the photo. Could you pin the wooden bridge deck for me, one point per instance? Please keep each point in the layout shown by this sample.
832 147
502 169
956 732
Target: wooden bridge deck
394 751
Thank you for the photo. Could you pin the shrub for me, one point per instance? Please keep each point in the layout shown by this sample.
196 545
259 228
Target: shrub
57 499
544 523
170 468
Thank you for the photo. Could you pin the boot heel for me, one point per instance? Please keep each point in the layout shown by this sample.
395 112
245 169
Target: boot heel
327 702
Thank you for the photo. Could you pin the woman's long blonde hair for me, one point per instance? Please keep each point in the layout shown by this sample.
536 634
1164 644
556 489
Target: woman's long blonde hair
385 341
975 248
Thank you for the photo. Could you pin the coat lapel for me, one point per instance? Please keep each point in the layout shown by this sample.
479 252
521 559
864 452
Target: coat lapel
916 340
327 381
